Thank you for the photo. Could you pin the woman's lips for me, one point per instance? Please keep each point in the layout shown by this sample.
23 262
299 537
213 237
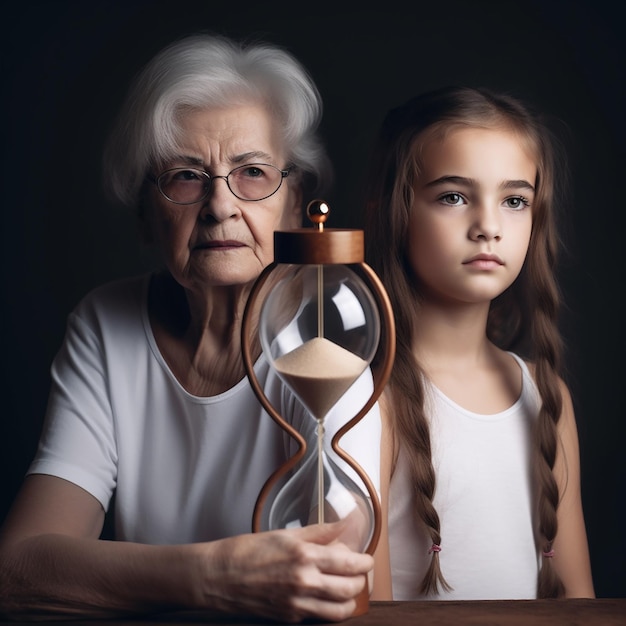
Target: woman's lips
219 245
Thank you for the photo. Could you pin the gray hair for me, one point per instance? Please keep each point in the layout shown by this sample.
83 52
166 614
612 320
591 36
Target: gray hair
203 71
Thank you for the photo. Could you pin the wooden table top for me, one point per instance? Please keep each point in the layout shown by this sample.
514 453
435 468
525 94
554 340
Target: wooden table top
571 612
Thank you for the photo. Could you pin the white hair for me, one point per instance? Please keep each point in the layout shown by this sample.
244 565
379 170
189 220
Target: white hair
203 71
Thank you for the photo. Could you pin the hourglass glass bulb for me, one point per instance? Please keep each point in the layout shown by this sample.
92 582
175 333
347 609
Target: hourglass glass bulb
320 491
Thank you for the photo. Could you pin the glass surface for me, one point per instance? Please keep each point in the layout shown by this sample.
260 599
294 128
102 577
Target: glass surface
310 497
319 329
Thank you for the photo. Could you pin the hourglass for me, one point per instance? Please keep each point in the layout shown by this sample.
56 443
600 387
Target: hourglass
324 324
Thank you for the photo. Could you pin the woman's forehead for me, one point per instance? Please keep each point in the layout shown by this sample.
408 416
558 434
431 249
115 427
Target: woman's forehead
234 134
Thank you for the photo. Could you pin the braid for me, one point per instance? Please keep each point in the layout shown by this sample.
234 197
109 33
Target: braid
412 426
549 585
547 342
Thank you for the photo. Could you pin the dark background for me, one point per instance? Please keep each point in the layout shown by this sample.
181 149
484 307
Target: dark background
66 65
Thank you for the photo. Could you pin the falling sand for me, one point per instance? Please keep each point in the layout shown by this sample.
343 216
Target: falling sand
320 372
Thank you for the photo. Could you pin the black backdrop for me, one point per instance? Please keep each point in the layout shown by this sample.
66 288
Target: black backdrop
66 65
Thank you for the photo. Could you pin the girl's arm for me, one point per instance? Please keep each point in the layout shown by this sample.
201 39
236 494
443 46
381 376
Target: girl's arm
53 563
382 567
571 558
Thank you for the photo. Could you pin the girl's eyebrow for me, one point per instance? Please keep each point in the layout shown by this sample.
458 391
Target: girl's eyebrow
470 182
518 184
455 180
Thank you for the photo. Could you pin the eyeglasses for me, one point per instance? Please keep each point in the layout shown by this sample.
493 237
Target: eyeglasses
251 182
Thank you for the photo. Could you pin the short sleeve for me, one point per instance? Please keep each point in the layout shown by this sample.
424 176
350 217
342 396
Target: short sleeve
77 441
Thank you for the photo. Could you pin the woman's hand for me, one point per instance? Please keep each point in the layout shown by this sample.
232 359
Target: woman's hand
49 542
286 575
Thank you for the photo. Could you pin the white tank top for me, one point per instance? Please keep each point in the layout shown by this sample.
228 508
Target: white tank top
483 498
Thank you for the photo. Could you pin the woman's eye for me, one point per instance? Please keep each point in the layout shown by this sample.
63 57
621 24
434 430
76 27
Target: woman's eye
452 199
252 172
516 202
186 175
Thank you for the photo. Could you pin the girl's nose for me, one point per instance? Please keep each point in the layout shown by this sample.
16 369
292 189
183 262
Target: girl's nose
485 224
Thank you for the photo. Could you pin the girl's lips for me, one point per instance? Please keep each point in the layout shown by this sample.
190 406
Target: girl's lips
483 264
485 257
484 261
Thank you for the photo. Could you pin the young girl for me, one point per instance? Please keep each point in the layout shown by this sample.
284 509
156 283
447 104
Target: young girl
484 495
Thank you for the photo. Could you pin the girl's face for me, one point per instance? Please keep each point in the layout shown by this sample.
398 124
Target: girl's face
222 240
471 219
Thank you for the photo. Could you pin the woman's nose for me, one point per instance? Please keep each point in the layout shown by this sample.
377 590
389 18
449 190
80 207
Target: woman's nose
220 203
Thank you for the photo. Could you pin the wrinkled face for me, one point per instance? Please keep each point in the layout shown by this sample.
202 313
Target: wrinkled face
471 220
223 240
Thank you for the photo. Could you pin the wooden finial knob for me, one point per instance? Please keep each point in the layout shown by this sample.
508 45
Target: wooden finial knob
317 211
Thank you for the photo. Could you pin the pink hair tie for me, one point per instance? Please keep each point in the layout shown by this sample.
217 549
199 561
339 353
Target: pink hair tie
549 554
434 548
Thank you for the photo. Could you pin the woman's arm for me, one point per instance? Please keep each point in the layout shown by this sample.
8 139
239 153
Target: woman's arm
571 558
52 563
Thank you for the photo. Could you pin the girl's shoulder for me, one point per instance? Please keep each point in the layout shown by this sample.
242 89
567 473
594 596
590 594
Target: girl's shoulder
529 371
527 367
530 368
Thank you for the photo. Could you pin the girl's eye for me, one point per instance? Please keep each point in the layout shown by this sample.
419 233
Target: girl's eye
452 199
517 203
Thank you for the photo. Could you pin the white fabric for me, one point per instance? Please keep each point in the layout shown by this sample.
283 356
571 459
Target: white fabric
183 468
484 500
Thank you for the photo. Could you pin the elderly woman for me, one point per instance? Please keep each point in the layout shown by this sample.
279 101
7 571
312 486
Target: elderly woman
215 147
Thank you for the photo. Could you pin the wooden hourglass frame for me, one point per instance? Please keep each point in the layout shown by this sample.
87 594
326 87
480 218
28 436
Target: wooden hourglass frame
320 247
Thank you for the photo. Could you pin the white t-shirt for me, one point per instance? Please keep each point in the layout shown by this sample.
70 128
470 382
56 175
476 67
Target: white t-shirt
183 468
483 496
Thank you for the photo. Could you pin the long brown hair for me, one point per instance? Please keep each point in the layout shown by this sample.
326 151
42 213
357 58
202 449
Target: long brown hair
523 318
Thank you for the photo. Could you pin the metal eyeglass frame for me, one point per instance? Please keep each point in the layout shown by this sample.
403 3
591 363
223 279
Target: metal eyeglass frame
156 180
